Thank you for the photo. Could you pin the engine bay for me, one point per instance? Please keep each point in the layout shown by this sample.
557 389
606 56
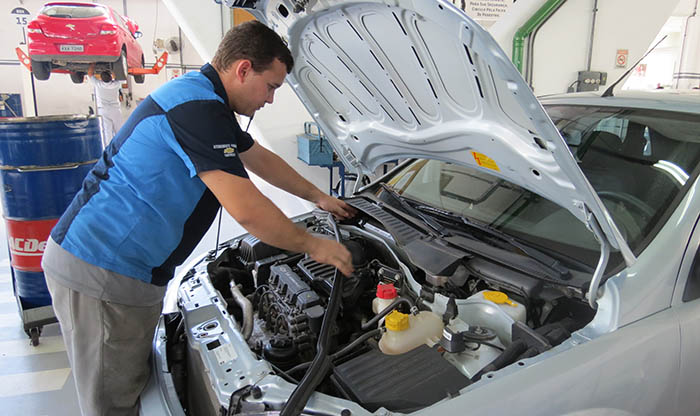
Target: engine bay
419 320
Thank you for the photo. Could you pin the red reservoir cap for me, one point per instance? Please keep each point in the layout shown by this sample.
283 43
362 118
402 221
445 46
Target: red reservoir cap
387 291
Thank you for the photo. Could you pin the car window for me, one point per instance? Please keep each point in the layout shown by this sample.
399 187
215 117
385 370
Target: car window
639 167
692 286
122 23
73 11
639 161
492 201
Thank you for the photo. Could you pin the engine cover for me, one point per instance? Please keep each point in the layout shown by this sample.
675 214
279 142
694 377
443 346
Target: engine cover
401 383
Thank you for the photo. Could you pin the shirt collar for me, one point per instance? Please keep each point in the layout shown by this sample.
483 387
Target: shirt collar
209 72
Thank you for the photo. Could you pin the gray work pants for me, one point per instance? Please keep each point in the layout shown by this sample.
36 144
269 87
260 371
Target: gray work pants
108 346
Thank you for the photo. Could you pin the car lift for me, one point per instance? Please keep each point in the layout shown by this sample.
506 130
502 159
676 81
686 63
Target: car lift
155 69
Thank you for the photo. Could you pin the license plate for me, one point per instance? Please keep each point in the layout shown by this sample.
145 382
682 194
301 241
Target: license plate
71 48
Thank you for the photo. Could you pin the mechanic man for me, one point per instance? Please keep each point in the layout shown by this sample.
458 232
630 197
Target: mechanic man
150 199
108 106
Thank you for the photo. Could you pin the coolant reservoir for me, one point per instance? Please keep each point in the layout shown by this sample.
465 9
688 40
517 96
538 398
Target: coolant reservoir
514 309
386 294
405 332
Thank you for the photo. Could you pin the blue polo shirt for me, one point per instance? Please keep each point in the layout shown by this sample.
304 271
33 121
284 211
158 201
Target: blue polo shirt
142 209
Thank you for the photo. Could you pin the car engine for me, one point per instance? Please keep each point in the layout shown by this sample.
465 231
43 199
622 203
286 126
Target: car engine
418 321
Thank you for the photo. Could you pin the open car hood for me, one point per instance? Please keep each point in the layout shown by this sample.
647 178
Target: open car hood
388 80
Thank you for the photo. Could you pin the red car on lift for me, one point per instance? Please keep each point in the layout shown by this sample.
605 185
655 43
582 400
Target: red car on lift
72 37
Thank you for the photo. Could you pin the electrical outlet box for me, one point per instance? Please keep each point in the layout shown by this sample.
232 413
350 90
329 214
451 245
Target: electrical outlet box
590 80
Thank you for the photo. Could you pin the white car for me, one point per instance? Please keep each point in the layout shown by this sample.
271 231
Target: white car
518 261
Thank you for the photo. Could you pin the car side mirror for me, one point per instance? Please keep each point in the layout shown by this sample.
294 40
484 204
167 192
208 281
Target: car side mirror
137 34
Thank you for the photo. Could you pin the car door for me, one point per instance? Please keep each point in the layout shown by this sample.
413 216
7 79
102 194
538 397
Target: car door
686 301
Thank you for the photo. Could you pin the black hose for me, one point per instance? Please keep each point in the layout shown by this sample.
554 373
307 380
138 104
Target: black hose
488 344
284 374
351 346
359 340
509 355
322 362
373 322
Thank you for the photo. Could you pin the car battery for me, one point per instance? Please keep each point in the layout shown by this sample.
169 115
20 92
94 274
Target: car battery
312 147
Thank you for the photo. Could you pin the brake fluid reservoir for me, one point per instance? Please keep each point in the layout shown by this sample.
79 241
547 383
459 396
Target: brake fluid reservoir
405 332
386 294
514 309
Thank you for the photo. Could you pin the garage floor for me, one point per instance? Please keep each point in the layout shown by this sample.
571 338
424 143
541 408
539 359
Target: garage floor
33 380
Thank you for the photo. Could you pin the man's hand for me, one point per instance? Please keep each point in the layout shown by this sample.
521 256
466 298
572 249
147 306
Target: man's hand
335 206
331 252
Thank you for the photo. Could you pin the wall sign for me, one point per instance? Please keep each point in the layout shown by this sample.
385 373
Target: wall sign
20 16
487 9
485 12
621 58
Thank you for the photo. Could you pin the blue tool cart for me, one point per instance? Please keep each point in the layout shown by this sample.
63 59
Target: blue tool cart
315 150
312 146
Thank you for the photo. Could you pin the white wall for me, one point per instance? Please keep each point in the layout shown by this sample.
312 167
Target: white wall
561 46
504 29
59 95
276 127
658 68
204 22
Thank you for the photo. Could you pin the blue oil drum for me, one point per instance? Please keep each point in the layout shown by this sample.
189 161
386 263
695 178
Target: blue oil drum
43 161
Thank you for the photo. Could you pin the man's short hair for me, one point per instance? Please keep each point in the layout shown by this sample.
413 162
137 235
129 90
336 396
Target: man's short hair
253 41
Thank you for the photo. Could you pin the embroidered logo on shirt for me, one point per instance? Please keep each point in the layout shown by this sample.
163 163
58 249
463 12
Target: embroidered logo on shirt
228 149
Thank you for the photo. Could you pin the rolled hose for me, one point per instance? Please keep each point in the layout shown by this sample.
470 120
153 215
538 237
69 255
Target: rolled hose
322 361
246 307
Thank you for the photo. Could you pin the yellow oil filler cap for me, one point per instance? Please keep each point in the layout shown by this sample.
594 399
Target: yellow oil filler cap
396 321
499 298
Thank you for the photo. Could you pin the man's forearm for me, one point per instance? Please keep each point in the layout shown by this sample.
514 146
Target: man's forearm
264 220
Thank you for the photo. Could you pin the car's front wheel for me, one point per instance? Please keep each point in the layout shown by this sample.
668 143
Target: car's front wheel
77 77
120 68
41 70
140 78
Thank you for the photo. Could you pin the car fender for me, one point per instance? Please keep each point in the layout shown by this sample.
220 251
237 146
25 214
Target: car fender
583 375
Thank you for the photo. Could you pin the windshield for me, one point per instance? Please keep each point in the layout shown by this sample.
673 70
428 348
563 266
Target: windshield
73 12
639 161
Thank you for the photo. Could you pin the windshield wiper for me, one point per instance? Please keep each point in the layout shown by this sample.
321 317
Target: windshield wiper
535 254
430 222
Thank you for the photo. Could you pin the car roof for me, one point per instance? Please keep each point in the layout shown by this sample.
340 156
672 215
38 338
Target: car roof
685 101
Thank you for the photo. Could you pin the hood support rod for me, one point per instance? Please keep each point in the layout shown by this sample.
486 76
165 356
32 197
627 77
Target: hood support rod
602 263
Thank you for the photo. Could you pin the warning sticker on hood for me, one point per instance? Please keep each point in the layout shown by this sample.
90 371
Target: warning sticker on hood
485 161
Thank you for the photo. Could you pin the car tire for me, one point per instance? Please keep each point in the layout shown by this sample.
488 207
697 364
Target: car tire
120 68
106 76
77 77
141 77
41 70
